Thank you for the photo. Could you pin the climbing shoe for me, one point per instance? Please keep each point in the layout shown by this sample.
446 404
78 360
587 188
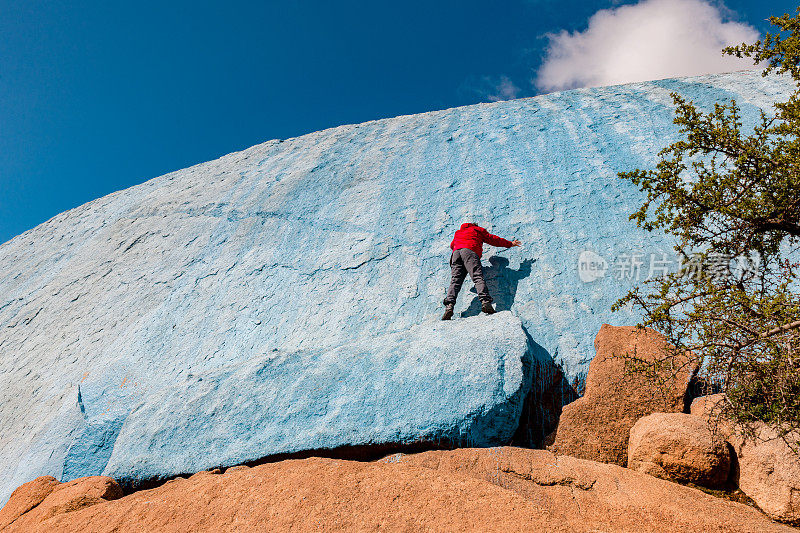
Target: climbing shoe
487 308
448 312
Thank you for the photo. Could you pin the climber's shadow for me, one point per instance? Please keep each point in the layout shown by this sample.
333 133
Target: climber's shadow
502 283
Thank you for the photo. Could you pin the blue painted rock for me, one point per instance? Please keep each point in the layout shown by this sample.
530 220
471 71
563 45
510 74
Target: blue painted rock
452 383
329 251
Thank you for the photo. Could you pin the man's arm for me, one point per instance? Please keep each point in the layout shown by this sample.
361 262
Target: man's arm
494 240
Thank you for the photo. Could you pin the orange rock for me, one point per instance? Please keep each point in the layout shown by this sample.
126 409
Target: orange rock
77 494
597 425
768 471
590 496
496 489
708 406
679 447
26 497
765 467
36 501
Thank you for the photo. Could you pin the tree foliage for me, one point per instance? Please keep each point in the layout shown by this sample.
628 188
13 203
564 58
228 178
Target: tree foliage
732 199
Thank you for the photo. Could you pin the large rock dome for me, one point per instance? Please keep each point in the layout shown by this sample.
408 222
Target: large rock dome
132 324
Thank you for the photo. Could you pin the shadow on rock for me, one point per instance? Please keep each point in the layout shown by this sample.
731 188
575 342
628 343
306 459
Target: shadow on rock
549 392
502 283
549 389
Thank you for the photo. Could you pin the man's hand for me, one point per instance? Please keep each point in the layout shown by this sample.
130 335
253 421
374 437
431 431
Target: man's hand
515 242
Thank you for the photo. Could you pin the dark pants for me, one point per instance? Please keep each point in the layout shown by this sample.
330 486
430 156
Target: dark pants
464 261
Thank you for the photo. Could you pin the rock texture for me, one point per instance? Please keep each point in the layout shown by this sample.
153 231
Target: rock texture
679 447
708 407
597 426
35 502
496 489
764 466
769 473
26 497
310 244
453 383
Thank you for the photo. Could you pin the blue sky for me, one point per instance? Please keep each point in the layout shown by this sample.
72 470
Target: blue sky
99 96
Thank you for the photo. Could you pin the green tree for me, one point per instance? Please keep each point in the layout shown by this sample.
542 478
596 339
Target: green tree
732 199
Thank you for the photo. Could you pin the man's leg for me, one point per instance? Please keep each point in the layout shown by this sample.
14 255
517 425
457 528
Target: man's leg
458 273
473 264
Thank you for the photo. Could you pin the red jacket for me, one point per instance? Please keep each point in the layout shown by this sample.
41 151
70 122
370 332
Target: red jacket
473 236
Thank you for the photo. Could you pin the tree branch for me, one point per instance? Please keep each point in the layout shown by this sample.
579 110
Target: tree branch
770 333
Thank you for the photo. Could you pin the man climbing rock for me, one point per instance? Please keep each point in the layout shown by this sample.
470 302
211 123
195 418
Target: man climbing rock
467 249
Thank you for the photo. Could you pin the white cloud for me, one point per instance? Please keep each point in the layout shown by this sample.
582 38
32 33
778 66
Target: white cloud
491 89
651 40
504 89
